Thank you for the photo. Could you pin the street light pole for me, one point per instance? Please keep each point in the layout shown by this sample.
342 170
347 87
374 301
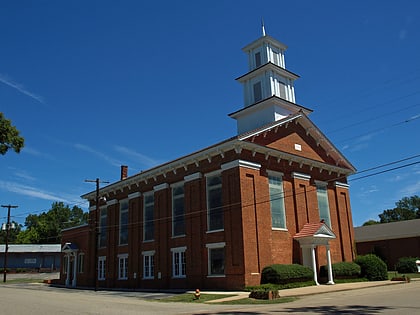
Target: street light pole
96 229
6 249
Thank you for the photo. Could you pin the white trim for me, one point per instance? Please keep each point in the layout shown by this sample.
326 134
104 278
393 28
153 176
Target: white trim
177 184
148 252
161 187
122 255
134 195
112 202
342 185
99 275
124 274
275 173
192 177
213 173
321 183
179 249
301 176
240 163
216 245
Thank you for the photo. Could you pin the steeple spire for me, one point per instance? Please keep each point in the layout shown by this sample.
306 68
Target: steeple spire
263 28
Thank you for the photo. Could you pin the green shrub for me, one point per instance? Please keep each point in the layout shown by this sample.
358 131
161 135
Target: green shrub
282 274
406 265
372 267
342 270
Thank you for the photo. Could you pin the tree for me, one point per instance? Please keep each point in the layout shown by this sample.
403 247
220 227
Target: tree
408 208
9 136
46 227
370 222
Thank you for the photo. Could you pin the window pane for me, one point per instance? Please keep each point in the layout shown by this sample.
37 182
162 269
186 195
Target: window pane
257 92
257 60
278 214
324 208
148 224
214 203
217 261
103 227
178 211
124 223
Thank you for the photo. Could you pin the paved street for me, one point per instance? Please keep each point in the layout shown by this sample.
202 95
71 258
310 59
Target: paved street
40 299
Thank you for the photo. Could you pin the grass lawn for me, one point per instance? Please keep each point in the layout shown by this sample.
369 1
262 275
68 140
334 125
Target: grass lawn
189 298
392 274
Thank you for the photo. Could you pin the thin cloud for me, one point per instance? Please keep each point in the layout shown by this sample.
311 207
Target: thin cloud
32 192
19 87
90 150
36 153
139 157
411 190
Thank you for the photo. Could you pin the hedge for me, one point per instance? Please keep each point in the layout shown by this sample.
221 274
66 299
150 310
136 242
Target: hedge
406 265
342 270
372 267
282 274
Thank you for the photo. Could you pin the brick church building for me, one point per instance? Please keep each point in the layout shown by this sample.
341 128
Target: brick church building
276 193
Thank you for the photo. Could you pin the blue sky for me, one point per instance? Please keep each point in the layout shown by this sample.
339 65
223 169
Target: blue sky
93 85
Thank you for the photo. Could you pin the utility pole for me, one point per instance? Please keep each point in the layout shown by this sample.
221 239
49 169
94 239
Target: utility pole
97 181
6 249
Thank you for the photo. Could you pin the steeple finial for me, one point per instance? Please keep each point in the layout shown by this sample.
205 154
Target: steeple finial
263 28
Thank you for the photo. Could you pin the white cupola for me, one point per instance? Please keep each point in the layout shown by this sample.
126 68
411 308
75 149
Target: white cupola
269 93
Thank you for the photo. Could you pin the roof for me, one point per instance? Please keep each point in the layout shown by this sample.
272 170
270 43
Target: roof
315 230
32 248
387 231
237 143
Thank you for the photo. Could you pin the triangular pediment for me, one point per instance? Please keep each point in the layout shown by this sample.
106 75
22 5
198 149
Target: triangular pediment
298 135
315 231
69 247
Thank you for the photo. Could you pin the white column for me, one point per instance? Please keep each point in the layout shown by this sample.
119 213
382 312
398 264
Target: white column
314 264
329 265
68 270
73 284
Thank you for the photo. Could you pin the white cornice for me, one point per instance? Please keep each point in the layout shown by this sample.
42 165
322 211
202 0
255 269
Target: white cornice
134 195
217 150
192 177
161 187
301 176
240 163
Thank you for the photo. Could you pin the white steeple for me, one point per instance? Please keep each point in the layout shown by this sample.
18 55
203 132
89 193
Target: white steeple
269 93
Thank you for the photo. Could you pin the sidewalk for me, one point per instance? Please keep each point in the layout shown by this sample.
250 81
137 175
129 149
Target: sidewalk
323 288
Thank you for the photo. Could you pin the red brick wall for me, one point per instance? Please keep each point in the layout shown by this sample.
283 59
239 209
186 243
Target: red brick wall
251 243
391 250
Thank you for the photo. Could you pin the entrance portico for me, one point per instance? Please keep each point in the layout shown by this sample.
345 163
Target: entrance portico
70 257
311 236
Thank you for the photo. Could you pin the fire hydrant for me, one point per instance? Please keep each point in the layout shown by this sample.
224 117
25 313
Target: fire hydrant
197 294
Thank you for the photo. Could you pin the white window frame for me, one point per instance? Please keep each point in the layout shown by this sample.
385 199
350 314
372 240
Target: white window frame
101 267
279 197
145 205
122 266
323 203
148 269
174 198
123 228
179 263
211 247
